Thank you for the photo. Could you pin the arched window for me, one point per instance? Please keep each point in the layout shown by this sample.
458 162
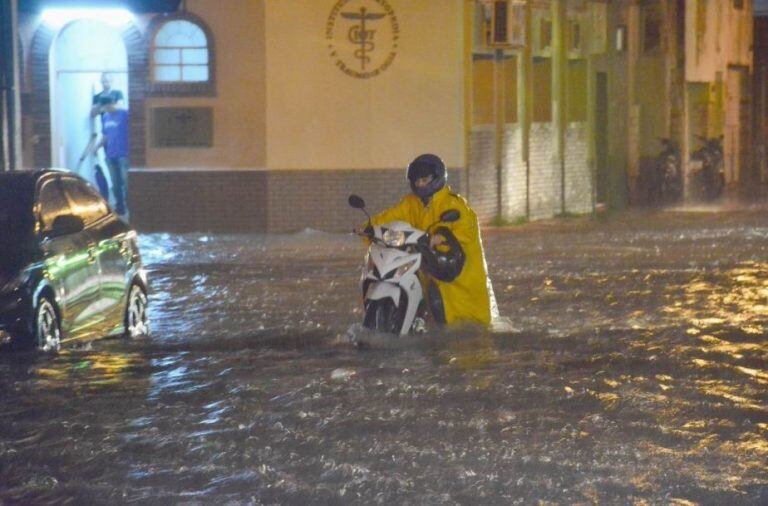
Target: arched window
180 53
181 56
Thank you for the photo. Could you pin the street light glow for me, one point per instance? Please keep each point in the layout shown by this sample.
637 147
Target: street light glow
58 17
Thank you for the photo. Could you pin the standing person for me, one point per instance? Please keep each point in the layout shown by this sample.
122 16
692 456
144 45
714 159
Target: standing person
457 285
106 96
116 148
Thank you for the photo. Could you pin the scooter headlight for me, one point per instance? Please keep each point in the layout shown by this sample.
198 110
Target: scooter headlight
394 238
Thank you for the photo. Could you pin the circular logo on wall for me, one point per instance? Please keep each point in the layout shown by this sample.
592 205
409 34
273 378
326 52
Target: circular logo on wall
362 37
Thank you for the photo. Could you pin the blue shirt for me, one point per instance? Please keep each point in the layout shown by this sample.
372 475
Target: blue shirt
114 126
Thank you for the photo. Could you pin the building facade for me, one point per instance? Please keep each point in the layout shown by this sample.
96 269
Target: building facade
760 94
258 115
569 108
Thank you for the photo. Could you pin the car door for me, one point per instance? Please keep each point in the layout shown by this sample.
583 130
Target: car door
107 235
70 262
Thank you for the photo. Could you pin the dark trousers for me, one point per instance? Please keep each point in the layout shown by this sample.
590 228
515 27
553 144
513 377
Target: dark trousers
118 171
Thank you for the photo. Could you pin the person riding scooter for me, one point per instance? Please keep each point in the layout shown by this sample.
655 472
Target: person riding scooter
456 280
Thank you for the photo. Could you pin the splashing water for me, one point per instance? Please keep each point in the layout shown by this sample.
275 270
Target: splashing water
631 368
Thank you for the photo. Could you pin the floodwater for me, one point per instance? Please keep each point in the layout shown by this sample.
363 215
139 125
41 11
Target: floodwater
635 372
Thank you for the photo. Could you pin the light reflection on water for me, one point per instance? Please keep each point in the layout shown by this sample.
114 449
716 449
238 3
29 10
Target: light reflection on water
636 374
90 369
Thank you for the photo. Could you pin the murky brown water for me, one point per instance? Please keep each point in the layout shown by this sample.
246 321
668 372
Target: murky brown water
637 372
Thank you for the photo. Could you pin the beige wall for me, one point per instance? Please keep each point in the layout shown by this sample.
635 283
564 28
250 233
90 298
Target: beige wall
716 37
240 102
320 118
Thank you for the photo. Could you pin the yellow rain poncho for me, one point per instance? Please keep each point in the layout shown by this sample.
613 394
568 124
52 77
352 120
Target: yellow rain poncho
466 299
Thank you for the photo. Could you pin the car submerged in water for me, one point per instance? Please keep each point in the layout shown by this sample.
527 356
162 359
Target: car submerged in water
70 267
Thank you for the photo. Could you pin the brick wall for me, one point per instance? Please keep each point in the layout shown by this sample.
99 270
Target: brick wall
514 204
578 176
229 200
317 199
40 102
483 179
545 173
539 191
198 200
138 77
232 200
300 199
261 200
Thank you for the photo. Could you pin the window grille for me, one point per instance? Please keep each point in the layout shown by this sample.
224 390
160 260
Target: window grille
180 53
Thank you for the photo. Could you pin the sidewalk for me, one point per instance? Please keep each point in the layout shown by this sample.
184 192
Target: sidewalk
731 210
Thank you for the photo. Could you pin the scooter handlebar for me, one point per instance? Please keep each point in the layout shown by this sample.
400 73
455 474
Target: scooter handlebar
366 232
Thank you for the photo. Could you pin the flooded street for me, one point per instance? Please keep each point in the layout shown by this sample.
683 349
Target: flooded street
635 372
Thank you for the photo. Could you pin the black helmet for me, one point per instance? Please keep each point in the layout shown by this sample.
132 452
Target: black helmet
427 165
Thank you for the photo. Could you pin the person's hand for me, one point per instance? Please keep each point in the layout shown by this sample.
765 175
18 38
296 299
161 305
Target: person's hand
436 240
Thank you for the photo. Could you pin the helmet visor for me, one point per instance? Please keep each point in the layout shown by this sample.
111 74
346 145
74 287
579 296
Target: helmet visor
420 170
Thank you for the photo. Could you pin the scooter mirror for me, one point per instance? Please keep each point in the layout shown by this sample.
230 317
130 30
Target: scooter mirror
450 215
356 202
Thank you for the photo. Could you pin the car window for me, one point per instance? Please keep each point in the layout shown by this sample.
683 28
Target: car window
86 202
53 203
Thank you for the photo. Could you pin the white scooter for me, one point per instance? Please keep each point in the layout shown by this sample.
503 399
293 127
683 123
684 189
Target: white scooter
392 292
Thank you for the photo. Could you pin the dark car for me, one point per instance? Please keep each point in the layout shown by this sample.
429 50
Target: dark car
70 268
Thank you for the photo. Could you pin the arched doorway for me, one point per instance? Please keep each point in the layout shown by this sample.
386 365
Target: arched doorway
82 51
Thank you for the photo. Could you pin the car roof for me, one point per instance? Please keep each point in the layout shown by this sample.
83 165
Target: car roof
30 174
28 178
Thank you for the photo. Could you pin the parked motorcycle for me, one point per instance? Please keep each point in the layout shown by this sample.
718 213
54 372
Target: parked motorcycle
661 182
670 170
392 292
707 169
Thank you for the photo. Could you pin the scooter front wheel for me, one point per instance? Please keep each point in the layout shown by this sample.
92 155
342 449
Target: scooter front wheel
383 316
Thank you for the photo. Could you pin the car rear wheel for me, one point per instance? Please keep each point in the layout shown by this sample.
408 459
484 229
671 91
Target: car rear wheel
47 327
136 320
